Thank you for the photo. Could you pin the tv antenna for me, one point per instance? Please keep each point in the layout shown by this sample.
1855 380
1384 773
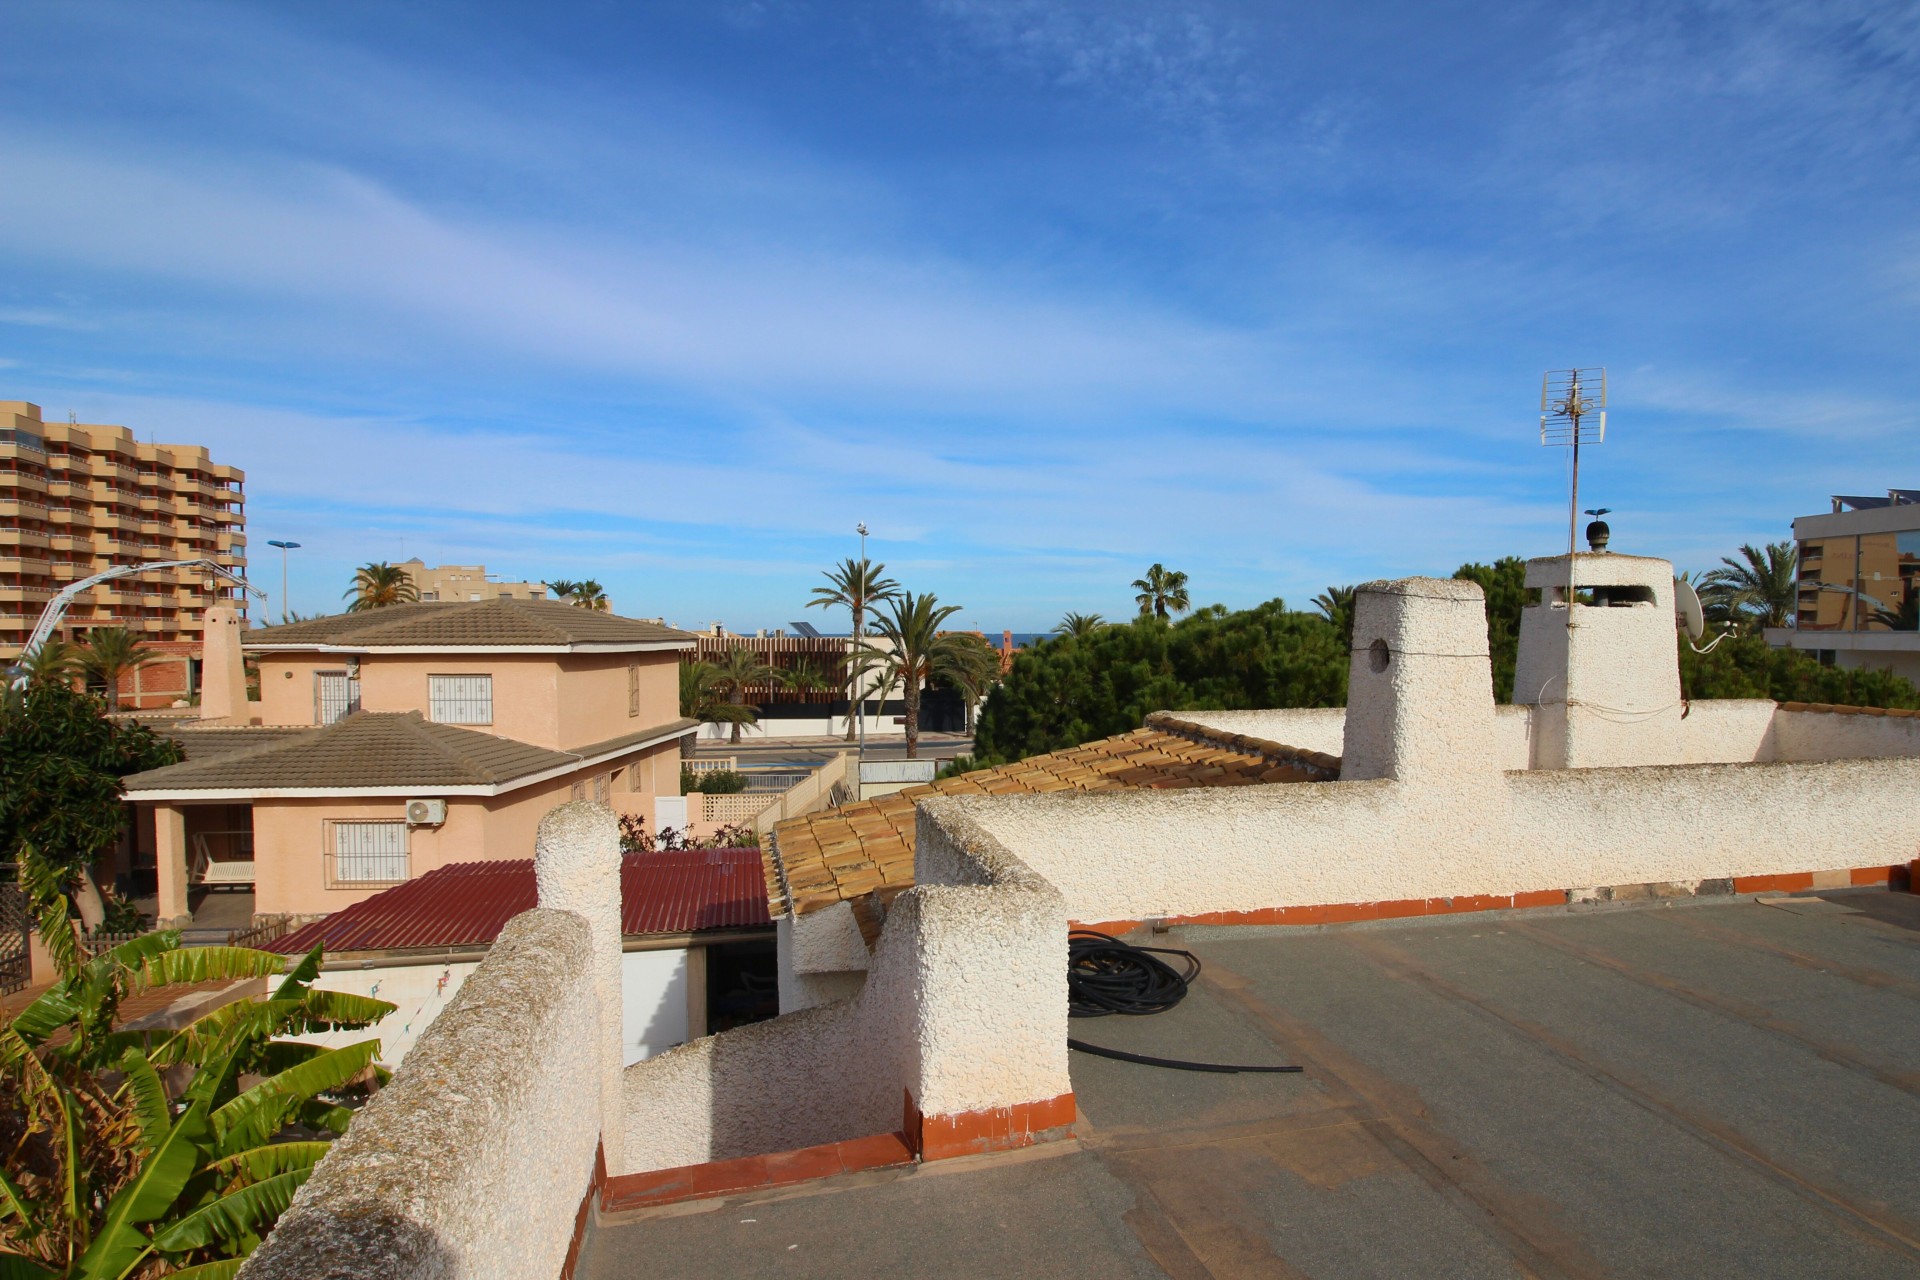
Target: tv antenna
1573 412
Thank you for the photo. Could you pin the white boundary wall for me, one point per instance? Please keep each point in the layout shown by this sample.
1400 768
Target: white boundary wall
963 1009
473 1162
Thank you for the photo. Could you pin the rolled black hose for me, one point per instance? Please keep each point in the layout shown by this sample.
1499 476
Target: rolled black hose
1106 976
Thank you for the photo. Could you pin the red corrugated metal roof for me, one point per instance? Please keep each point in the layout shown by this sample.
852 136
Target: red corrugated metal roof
467 903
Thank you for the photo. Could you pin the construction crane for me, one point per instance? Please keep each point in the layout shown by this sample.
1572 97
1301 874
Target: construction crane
57 607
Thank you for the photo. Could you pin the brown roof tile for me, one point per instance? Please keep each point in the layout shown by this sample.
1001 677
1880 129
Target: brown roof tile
401 751
862 852
469 624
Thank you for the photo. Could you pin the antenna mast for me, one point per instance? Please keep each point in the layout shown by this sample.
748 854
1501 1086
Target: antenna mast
1573 412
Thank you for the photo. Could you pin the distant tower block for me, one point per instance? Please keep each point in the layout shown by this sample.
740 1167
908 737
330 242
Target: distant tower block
1605 687
1420 689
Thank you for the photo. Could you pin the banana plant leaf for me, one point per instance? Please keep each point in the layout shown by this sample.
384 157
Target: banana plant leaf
248 1211
206 964
260 1163
15 1267
225 1269
258 1114
151 1109
119 1244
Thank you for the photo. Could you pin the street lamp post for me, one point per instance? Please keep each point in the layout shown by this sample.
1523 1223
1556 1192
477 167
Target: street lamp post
285 547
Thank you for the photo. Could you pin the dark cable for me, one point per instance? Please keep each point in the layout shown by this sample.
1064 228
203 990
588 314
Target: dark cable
1106 976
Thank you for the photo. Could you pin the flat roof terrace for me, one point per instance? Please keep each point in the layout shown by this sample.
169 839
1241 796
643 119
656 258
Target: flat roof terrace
1697 1088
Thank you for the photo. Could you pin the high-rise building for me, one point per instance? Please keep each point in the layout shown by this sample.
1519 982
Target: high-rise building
1859 581
77 498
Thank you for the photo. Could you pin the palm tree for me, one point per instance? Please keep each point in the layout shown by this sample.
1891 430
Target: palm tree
1079 624
1161 591
110 653
971 666
702 698
55 661
742 669
589 594
854 585
806 678
915 649
1336 606
562 588
378 585
1765 589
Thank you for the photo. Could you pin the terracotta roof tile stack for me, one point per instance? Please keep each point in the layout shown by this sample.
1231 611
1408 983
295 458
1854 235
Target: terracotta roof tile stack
863 853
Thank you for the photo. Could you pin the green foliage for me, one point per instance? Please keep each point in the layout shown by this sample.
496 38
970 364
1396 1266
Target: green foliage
112 652
917 651
380 584
1162 591
957 766
1746 666
105 1171
1073 689
1505 583
714 782
61 761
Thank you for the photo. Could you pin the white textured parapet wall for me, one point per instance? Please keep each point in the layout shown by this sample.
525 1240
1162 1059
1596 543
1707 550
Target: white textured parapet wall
1425 811
963 1012
473 1162
576 867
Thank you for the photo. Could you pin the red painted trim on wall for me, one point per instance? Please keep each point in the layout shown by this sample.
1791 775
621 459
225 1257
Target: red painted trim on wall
749 1173
1351 912
972 1133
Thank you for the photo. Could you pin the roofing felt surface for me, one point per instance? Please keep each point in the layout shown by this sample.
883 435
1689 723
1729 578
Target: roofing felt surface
367 749
463 624
1704 1090
865 849
468 903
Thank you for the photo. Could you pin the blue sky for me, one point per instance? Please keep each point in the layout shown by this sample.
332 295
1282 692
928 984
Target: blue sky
671 295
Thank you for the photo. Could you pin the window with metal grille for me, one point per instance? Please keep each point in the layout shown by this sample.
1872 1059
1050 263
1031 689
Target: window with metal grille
460 699
335 694
633 688
369 852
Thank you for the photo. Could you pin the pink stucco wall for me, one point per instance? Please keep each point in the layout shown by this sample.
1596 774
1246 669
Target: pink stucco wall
290 835
558 701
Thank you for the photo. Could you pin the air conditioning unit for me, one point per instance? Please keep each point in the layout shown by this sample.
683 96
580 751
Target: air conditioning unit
426 813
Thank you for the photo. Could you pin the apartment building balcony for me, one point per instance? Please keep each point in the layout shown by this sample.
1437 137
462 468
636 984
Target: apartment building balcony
23 481
69 464
24 538
26 567
18 507
71 517
17 449
22 594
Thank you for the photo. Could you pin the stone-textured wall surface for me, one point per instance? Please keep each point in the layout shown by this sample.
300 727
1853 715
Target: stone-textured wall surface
963 1007
472 1163
1143 855
1843 733
1726 731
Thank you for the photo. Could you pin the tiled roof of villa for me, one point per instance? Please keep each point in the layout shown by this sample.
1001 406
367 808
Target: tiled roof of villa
394 751
863 852
476 624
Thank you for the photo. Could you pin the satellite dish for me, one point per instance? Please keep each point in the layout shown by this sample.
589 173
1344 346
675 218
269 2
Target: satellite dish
1686 609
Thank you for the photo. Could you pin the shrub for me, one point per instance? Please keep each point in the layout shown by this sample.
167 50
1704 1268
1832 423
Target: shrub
716 782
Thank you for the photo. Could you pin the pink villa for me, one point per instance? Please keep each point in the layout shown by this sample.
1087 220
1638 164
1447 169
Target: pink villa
390 742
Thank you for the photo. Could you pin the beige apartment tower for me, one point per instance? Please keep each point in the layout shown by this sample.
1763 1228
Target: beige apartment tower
77 498
467 583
